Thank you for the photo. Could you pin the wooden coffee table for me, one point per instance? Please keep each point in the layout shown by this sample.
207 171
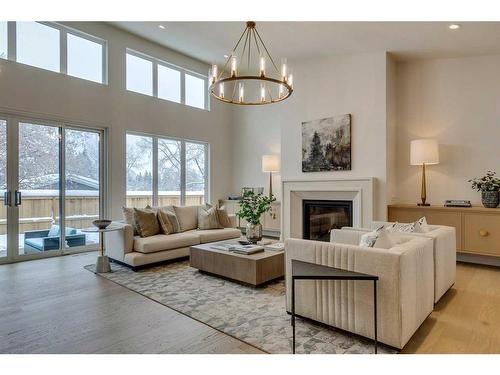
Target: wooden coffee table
254 269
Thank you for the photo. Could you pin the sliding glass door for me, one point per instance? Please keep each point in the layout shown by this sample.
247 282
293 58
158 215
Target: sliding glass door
37 196
51 180
82 193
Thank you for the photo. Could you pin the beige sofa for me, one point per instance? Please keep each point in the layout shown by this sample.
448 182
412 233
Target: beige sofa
445 254
123 246
405 288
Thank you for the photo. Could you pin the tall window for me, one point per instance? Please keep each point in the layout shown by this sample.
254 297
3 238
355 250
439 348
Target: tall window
139 170
55 47
179 175
150 76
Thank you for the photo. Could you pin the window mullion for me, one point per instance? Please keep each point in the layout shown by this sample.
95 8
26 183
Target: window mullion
155 79
11 41
63 51
183 87
155 171
183 173
206 178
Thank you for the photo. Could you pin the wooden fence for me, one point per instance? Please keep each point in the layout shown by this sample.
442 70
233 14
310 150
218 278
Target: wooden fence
39 212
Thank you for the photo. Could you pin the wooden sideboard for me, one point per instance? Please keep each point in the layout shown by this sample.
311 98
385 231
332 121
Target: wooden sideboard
271 221
478 228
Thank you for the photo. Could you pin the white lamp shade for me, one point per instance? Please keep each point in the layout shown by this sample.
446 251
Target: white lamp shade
270 163
424 151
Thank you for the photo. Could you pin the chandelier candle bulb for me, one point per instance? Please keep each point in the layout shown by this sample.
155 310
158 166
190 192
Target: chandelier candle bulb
283 70
214 71
221 90
262 93
280 94
262 66
234 65
290 80
242 93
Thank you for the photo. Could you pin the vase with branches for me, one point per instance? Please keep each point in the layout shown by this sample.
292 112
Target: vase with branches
252 207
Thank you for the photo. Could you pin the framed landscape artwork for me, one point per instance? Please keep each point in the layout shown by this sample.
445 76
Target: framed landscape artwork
326 144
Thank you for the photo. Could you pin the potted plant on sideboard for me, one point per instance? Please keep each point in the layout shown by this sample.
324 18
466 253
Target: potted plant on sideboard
252 206
489 186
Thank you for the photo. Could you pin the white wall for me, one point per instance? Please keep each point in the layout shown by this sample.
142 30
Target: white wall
457 102
354 84
41 93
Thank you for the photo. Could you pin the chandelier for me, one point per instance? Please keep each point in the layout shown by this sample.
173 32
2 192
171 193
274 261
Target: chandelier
244 79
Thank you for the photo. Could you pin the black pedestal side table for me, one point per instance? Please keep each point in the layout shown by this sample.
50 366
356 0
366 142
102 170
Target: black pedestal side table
311 271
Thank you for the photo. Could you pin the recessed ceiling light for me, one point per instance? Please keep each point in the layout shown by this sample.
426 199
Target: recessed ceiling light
454 26
161 27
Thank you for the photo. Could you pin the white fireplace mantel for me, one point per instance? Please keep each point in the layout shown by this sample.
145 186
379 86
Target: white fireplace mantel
293 192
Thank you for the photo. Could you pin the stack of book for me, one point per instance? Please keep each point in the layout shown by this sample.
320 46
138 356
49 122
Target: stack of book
239 249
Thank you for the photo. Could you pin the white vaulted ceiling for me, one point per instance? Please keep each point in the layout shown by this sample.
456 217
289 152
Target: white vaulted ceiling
209 41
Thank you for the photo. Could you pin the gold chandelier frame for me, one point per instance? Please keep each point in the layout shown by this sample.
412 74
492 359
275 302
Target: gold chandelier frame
284 83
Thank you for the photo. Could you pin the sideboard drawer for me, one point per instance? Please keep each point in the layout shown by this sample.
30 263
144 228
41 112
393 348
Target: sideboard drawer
482 234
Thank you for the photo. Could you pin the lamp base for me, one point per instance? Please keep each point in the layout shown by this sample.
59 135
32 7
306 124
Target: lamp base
423 204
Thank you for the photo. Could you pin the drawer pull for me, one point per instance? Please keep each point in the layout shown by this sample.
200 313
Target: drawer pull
483 233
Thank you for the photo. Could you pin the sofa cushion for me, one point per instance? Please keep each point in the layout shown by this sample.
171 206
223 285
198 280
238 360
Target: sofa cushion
212 235
162 242
223 217
187 216
207 218
128 217
168 221
146 221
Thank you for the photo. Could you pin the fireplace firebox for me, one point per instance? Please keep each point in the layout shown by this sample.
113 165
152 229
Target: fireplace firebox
321 216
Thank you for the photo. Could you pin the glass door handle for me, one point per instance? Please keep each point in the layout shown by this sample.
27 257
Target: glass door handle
18 198
7 199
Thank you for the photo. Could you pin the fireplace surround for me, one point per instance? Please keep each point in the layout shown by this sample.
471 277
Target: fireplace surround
294 192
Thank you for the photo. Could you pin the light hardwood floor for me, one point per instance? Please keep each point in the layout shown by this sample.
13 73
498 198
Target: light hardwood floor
55 306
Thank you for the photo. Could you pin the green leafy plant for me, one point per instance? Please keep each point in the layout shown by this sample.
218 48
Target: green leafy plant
252 206
486 183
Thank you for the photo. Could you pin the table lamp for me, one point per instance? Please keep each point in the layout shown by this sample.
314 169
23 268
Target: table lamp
424 152
270 163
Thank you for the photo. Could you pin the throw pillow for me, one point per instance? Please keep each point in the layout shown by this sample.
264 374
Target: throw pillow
187 216
128 218
223 217
147 223
168 221
421 226
404 227
385 240
207 218
369 239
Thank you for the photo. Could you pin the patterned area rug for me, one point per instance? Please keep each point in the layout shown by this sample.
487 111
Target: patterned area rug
256 316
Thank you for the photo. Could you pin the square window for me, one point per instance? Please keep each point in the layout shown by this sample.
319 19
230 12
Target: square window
139 75
85 58
38 45
195 91
169 84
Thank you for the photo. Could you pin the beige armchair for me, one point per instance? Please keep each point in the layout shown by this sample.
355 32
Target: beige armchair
405 287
